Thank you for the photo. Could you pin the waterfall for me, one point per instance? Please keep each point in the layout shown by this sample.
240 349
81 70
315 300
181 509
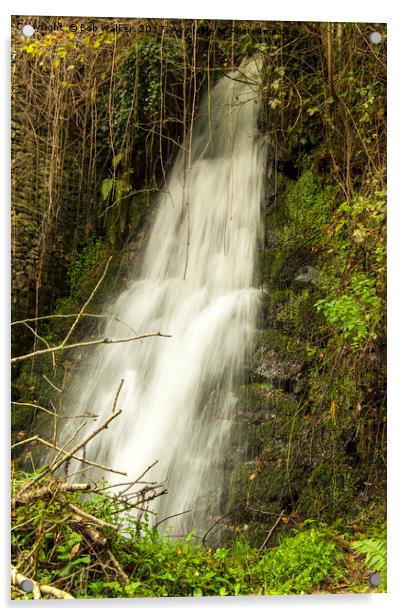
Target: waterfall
196 284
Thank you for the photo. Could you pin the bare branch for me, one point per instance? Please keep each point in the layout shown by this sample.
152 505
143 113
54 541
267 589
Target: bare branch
52 384
174 515
73 316
64 347
77 319
91 518
271 531
118 567
17 579
38 439
51 489
68 455
42 408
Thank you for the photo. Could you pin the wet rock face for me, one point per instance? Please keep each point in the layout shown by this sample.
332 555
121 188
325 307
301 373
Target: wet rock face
308 274
285 443
269 366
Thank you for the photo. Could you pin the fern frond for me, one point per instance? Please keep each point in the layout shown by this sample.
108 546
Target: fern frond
375 551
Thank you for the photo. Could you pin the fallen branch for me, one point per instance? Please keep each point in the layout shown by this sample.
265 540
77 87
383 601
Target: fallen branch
118 567
55 592
51 490
20 580
89 531
91 518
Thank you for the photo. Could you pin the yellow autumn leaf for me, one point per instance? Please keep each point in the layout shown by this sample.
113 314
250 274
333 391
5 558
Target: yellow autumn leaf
333 409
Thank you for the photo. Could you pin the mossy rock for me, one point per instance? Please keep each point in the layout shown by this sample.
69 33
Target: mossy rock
329 491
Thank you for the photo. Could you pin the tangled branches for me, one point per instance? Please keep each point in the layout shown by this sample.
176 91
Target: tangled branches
60 537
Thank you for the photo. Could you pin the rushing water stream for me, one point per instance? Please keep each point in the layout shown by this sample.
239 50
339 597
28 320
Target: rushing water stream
179 393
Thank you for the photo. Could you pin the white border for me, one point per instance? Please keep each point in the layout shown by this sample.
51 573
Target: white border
303 10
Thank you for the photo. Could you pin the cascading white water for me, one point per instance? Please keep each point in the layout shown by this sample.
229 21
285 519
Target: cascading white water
178 397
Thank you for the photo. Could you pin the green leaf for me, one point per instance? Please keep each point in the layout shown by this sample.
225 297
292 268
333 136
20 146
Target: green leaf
106 188
117 159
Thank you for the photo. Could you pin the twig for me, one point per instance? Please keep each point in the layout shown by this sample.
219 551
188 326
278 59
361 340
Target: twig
38 439
55 465
77 319
141 501
118 567
36 406
64 347
174 515
67 443
267 538
72 316
91 518
146 471
52 384
213 526
42 408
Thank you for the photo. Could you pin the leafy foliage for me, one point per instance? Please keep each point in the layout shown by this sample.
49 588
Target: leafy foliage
356 314
375 550
300 562
53 546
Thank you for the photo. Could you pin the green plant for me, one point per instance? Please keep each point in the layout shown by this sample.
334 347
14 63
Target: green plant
375 551
300 563
81 269
355 313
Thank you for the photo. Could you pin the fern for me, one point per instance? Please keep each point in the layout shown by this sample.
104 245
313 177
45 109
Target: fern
376 555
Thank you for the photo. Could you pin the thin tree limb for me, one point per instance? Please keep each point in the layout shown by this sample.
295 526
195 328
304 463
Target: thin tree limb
55 465
118 567
213 526
42 408
174 515
38 439
271 530
77 319
52 489
64 347
74 315
91 518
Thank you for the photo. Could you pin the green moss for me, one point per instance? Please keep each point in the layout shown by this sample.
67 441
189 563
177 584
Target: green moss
330 491
82 269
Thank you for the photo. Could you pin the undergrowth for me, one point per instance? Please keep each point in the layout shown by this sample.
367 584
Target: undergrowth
55 545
